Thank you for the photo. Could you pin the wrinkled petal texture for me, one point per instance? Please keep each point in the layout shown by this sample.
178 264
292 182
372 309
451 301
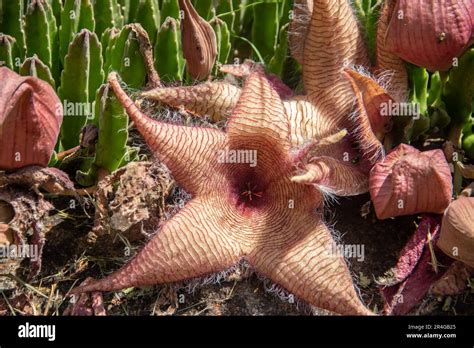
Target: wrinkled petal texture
431 33
215 100
408 181
333 42
302 11
388 65
457 232
30 119
277 231
199 42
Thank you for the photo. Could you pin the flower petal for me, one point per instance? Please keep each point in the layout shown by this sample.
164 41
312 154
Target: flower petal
193 243
188 152
333 22
213 99
310 268
388 65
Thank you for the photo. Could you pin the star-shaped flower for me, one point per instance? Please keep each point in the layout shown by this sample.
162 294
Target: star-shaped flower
251 210
268 209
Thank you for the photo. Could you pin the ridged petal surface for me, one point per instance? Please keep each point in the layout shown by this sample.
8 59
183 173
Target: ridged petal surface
431 33
215 100
30 119
457 231
309 267
332 43
195 242
389 65
370 125
277 230
408 181
186 151
302 11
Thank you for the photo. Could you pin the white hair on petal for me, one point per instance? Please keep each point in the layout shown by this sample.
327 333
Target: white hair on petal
383 80
284 295
338 238
357 132
330 196
191 285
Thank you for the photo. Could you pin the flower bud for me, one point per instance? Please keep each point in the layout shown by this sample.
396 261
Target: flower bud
30 119
430 34
457 231
408 182
199 42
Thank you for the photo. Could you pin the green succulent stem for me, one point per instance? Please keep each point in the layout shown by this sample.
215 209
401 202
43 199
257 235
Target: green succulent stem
41 35
77 15
80 79
265 28
169 61
10 54
33 66
11 22
111 147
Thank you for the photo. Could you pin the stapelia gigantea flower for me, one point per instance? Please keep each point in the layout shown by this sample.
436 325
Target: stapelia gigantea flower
30 120
250 210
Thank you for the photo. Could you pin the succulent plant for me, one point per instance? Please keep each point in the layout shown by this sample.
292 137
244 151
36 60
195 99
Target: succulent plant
148 15
170 8
10 53
32 114
265 28
225 11
58 8
11 22
41 35
33 66
408 181
168 56
126 56
76 15
110 150
276 64
223 40
368 12
107 13
468 139
259 123
109 37
203 8
458 94
80 79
